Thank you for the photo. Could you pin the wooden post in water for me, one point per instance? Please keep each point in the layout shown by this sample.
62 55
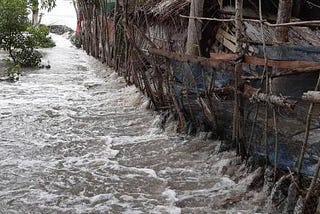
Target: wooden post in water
96 40
93 30
103 30
116 37
194 28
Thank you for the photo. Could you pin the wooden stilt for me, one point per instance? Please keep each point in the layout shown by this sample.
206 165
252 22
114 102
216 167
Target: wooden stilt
194 28
284 16
307 130
237 74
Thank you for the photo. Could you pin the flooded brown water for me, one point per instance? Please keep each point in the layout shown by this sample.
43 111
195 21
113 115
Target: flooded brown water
76 139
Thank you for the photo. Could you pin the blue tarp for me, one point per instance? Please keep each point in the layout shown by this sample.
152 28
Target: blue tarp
289 52
194 78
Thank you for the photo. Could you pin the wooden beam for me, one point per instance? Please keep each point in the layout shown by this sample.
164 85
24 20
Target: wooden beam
312 96
281 63
186 58
223 56
217 59
285 64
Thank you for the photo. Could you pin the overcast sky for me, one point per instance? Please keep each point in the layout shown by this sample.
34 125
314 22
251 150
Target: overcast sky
62 14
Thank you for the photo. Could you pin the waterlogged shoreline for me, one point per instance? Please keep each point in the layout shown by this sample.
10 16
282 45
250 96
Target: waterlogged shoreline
61 30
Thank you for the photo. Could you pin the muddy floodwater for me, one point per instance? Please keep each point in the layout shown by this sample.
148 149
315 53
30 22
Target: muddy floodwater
76 139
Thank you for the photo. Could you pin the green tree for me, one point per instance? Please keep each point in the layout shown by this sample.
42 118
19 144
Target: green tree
39 36
13 37
13 21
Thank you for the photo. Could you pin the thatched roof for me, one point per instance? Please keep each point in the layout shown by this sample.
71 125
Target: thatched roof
163 11
168 9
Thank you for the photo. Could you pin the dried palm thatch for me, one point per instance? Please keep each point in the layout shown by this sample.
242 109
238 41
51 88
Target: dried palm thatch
168 9
162 11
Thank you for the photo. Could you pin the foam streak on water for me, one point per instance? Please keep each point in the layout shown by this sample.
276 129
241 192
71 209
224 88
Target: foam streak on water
76 139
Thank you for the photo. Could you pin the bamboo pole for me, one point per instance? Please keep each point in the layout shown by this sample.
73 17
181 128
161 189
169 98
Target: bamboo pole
130 36
312 96
307 130
108 43
94 33
237 72
266 74
280 101
264 22
87 31
284 16
207 19
97 36
116 37
252 129
265 139
102 29
194 28
182 119
275 126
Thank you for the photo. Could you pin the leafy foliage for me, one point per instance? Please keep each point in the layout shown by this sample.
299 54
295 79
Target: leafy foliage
39 37
45 4
12 70
13 21
28 57
21 50
48 4
18 37
35 5
13 16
